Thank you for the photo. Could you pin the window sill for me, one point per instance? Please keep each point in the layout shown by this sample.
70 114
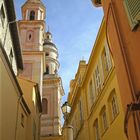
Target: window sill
115 117
104 131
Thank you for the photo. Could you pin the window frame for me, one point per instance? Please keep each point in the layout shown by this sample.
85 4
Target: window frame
96 129
2 15
32 15
44 103
47 70
114 106
111 106
11 56
104 120
97 79
91 91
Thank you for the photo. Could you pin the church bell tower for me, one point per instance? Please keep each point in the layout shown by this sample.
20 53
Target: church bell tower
32 28
52 90
40 57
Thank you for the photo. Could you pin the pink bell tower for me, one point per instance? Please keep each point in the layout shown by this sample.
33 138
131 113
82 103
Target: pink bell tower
52 90
32 29
41 64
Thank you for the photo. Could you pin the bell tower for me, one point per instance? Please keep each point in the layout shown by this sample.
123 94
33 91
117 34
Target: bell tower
52 90
40 57
32 29
32 25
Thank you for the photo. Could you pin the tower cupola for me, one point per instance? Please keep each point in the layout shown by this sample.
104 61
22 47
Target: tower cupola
33 10
51 52
48 37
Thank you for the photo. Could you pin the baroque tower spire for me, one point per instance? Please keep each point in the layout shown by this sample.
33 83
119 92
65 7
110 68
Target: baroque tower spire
52 90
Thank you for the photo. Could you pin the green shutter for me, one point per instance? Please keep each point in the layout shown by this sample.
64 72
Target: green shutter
133 12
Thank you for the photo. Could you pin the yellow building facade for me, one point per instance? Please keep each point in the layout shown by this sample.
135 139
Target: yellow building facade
95 97
29 126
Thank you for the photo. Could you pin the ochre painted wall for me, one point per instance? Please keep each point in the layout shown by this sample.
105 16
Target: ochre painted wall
92 108
8 103
125 49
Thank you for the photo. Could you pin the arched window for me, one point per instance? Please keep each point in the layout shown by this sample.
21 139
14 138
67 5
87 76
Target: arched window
47 69
32 15
44 106
113 104
96 129
103 117
30 36
11 56
47 54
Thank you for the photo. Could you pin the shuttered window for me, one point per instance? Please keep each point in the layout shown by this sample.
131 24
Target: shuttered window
133 12
98 1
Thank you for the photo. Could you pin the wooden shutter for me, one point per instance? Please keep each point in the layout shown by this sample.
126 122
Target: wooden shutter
133 12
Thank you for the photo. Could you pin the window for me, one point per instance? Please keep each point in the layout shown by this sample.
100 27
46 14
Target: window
44 106
2 15
47 54
48 37
32 15
91 91
96 130
113 104
104 119
11 56
104 63
106 60
97 2
108 57
47 70
98 79
29 36
81 112
22 120
132 8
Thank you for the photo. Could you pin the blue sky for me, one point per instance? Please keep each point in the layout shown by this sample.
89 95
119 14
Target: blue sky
74 25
